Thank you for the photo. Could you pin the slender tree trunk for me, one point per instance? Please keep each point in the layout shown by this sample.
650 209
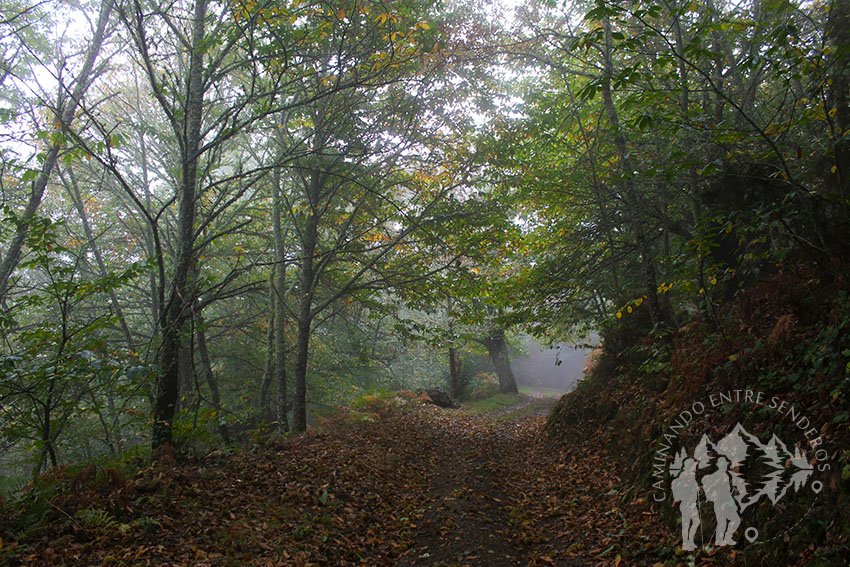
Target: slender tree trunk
302 348
309 239
607 224
47 428
154 286
177 310
684 109
268 373
302 351
454 361
280 361
280 307
186 369
65 112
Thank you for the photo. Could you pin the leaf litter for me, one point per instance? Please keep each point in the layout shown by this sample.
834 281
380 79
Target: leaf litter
430 487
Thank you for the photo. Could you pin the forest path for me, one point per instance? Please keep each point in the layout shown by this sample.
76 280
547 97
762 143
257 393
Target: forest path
500 495
467 518
429 487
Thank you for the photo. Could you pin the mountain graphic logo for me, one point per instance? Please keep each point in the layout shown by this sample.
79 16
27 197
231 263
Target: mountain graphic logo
715 472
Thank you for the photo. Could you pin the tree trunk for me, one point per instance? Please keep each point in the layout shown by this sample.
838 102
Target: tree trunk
309 238
186 370
280 307
498 349
177 310
268 372
47 428
154 285
838 32
454 361
74 192
302 348
454 374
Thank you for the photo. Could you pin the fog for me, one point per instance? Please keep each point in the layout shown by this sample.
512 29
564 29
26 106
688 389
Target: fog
549 369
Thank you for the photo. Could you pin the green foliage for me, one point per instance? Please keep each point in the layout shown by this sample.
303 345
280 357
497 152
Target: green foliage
195 429
481 385
60 372
673 172
381 404
371 406
34 505
819 365
96 518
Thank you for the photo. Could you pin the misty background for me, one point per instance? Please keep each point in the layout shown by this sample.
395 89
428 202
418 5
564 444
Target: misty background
555 369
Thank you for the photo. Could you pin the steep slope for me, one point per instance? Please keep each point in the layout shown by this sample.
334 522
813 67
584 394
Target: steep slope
774 362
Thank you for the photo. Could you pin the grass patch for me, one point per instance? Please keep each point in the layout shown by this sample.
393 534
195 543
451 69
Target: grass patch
493 403
545 392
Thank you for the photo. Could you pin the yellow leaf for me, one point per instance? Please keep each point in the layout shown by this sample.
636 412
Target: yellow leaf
424 26
834 169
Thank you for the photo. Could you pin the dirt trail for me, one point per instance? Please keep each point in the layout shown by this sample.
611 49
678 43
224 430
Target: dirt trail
499 495
467 517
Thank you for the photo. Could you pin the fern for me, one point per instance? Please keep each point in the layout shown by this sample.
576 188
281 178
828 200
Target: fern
96 518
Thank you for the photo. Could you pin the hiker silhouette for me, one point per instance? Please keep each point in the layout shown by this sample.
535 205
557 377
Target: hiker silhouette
686 491
718 491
